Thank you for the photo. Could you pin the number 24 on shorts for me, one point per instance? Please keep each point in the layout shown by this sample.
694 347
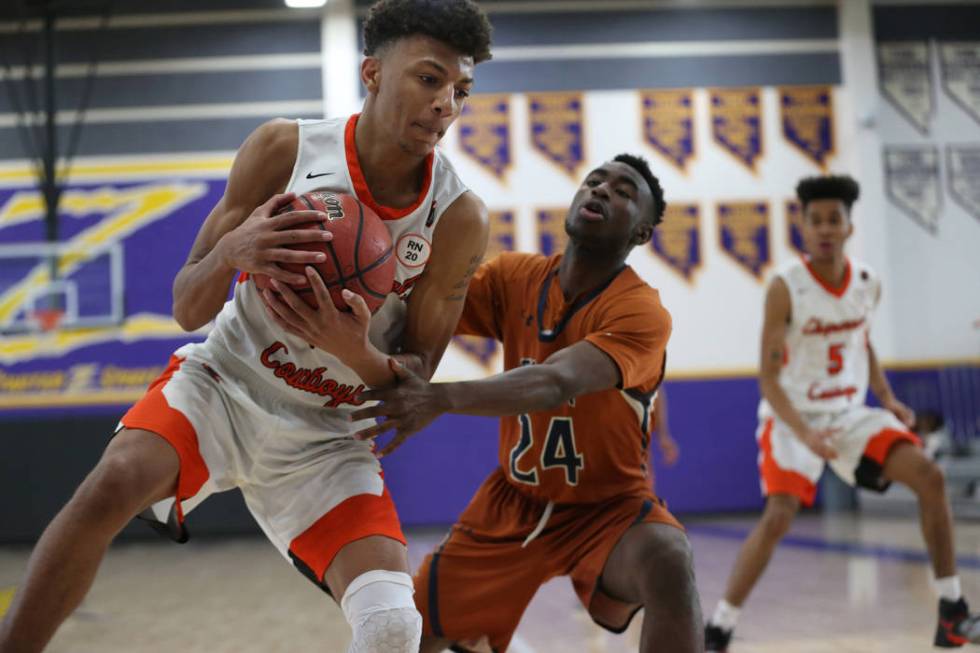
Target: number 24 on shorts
559 451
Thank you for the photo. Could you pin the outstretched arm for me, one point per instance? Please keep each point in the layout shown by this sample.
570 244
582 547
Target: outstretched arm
575 370
627 341
414 402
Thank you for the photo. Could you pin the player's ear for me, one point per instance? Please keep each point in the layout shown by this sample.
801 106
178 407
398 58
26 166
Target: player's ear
642 234
371 73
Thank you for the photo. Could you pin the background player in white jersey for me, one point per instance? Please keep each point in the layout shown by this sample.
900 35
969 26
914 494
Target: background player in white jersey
816 364
224 415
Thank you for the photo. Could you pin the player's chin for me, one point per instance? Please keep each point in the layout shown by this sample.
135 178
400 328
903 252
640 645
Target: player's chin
823 256
418 148
576 225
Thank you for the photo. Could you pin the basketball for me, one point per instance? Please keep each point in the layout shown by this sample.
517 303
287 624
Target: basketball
359 258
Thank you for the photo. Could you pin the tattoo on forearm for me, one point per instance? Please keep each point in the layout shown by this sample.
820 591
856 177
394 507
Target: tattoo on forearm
776 355
459 290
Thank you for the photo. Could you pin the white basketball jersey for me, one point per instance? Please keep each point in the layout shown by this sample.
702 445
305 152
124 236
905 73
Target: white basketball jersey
252 348
826 360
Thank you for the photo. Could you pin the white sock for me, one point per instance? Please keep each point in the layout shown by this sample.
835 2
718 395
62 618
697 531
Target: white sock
725 616
949 588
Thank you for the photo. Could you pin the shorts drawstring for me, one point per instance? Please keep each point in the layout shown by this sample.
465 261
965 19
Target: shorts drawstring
545 516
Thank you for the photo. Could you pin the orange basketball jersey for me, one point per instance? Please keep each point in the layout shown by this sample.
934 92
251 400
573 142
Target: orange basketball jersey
595 447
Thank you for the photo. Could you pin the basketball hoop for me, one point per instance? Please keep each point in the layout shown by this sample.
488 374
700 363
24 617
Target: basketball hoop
47 319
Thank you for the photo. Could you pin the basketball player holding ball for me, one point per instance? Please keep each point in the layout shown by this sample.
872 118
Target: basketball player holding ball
357 255
264 403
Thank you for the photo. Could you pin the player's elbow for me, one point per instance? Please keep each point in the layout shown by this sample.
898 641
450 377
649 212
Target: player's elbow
185 318
190 315
192 309
767 381
559 388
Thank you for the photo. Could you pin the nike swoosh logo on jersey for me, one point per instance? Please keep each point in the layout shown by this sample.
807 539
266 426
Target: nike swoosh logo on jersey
310 175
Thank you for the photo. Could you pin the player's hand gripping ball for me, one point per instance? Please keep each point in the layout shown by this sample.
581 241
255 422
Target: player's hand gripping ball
359 258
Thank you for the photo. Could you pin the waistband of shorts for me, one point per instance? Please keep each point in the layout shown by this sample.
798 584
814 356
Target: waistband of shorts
808 415
540 503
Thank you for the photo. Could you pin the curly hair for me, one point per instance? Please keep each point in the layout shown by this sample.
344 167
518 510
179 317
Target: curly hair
829 187
640 164
460 24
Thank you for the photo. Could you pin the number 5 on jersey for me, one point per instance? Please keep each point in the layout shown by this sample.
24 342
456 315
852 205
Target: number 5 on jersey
835 358
559 451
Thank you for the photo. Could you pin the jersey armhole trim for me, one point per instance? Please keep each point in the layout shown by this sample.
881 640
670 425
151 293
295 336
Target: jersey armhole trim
299 151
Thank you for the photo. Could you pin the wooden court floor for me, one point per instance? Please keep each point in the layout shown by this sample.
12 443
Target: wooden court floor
837 585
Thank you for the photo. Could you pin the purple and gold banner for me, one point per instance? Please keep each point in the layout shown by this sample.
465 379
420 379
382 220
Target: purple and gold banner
558 128
743 233
794 226
807 116
484 132
668 124
503 236
550 225
503 233
677 240
736 123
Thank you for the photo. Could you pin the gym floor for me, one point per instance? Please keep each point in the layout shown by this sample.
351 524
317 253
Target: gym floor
836 585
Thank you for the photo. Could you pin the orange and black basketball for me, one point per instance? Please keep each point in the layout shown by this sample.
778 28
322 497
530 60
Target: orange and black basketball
359 258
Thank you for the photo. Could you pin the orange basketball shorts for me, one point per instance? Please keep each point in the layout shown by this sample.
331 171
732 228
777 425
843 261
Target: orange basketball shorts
479 581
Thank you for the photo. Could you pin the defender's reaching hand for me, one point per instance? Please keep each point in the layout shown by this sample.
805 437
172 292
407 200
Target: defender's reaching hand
407 406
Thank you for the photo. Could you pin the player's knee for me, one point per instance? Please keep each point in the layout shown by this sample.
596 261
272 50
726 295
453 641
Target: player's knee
778 516
931 480
395 630
113 489
669 568
381 612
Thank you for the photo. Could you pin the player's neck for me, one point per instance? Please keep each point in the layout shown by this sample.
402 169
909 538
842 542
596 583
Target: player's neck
831 270
582 270
391 173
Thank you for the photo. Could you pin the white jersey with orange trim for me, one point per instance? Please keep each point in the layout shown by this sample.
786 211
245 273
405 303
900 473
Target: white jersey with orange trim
248 346
826 363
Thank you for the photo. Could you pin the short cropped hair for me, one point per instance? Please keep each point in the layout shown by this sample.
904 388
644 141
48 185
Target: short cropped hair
828 187
640 164
460 24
